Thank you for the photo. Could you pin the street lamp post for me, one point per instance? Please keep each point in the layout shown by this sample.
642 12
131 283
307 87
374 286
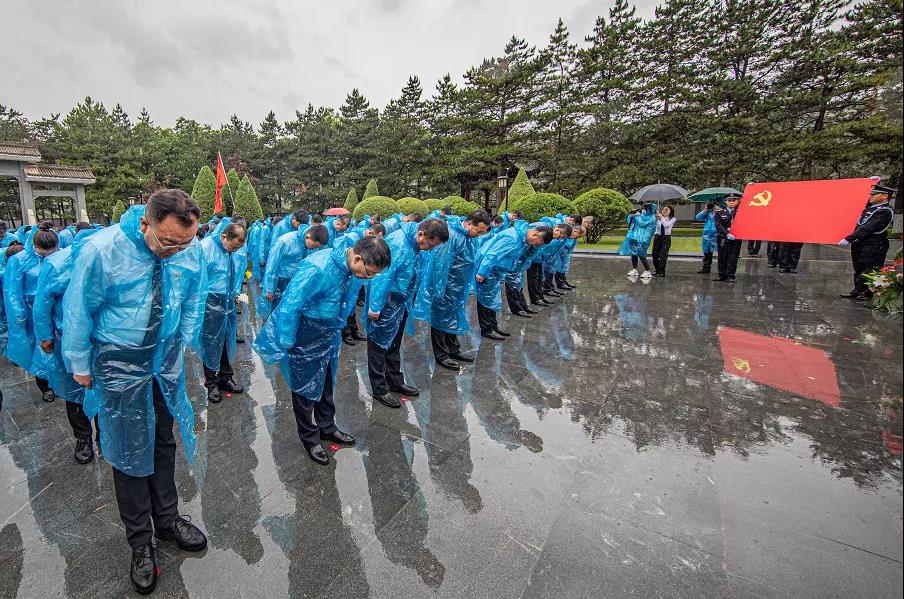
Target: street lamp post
502 183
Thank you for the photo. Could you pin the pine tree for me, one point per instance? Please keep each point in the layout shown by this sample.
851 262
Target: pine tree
356 140
205 192
520 189
246 202
371 190
558 115
351 200
118 210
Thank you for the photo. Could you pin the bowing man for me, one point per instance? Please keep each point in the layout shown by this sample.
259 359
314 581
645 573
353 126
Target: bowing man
287 253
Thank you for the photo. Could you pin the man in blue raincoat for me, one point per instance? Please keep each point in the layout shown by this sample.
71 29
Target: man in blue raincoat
446 285
53 280
336 227
708 242
350 332
542 266
302 335
394 222
286 255
225 273
136 296
290 222
389 298
564 260
263 244
497 258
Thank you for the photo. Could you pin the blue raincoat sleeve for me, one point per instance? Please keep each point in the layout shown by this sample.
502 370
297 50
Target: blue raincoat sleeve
379 288
193 306
21 343
52 284
268 284
279 332
79 309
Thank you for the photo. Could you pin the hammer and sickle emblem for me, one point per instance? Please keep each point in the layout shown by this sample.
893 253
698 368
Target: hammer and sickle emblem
761 199
741 364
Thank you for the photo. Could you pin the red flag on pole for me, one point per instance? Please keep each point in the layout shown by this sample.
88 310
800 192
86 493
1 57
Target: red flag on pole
222 180
801 211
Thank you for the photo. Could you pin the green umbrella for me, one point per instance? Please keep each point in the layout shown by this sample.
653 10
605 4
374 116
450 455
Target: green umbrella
712 194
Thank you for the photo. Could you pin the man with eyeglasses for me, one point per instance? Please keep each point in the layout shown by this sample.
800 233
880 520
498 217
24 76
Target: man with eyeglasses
136 296
302 335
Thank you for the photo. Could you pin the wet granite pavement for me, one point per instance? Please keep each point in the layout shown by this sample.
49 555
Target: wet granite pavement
681 438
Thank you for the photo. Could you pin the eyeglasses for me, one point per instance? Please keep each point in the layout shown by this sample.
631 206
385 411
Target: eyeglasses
369 275
177 247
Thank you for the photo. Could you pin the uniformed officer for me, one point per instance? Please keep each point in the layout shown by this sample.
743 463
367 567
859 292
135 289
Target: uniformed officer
869 242
729 247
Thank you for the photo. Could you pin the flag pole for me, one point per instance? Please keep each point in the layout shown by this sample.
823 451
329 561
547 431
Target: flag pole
228 185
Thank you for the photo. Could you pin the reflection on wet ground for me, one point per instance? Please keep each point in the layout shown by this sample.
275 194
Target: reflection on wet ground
681 438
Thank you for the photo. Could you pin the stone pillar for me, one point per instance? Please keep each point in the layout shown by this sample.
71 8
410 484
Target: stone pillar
81 207
27 202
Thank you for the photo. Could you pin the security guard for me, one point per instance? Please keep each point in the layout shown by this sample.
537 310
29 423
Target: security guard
868 242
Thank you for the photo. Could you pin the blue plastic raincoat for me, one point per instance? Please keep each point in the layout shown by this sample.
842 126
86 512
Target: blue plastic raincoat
447 280
225 272
48 316
496 259
392 291
640 233
251 247
8 239
281 228
20 283
285 257
708 242
263 246
393 223
302 334
3 327
127 315
66 236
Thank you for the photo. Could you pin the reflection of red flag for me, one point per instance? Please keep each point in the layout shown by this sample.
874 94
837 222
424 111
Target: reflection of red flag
221 181
781 363
802 211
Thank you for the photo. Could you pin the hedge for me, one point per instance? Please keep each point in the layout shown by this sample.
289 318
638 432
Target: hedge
351 200
608 207
434 204
246 202
409 205
371 190
521 189
381 205
543 204
462 207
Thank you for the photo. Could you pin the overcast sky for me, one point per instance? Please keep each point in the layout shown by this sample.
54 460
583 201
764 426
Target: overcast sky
207 59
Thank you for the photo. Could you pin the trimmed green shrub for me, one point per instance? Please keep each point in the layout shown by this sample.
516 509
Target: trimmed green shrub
371 190
543 204
381 205
462 207
521 188
118 210
608 208
351 200
409 205
246 202
434 204
204 192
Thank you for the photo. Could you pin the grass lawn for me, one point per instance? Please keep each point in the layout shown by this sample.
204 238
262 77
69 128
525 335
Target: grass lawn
679 244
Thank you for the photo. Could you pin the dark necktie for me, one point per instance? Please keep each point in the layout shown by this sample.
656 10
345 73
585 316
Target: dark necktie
231 274
156 317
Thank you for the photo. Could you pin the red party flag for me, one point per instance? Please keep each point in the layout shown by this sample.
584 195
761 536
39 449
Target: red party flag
781 363
221 181
801 211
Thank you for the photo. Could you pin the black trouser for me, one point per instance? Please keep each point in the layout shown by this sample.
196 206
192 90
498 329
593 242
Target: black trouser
444 344
661 245
351 325
315 417
487 319
384 366
548 283
560 279
42 384
789 255
535 283
866 255
212 378
80 423
753 247
141 498
729 253
707 261
642 259
772 252
515 298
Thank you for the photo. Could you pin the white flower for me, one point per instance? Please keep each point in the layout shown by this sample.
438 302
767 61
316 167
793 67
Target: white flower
242 297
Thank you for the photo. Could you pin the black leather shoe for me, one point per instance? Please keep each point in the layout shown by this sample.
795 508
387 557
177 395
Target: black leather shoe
729 280
782 269
703 271
388 400
348 340
213 395
503 333
493 335
239 339
542 303
562 288
48 396
84 450
358 336
406 390
144 570
522 314
229 386
186 535
339 438
449 364
570 286
719 279
553 293
550 301
462 358
852 295
772 265
318 454
530 310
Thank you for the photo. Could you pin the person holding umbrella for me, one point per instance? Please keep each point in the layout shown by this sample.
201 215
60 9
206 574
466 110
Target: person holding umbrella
641 224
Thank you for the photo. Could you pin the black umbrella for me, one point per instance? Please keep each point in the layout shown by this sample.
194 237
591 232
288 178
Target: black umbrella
659 193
